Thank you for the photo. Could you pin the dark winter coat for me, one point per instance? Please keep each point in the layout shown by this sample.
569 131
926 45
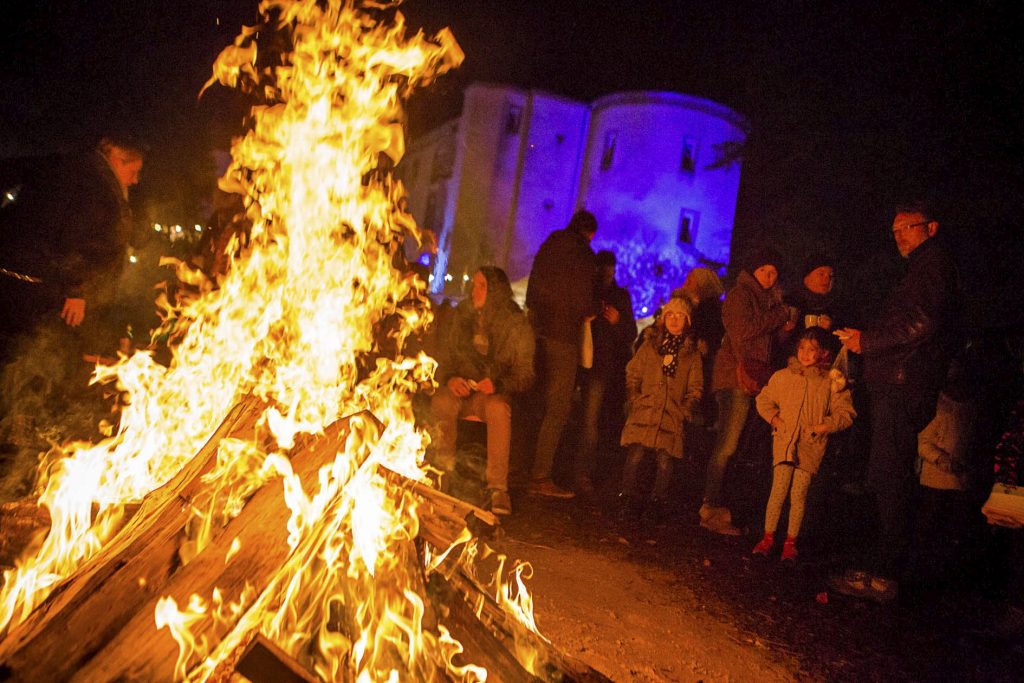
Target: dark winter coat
752 317
803 397
659 404
911 341
509 359
560 293
613 344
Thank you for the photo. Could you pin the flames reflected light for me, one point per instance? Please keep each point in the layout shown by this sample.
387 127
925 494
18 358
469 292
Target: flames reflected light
313 317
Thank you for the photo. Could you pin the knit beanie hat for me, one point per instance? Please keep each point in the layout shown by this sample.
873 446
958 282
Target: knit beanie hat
762 256
815 261
677 305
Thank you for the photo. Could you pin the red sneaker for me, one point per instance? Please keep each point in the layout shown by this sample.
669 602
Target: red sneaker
764 546
789 550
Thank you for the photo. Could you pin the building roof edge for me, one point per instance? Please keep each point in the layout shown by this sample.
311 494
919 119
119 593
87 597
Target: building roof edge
672 98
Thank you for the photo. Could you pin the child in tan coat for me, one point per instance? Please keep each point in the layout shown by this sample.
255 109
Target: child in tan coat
804 403
664 382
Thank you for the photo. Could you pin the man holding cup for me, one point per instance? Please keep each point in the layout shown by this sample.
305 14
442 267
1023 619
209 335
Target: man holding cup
906 353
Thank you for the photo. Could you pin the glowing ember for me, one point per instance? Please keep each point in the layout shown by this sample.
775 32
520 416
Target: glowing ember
313 319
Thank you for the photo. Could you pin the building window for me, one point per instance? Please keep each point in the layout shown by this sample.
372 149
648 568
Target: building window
436 201
688 161
444 160
513 119
688 225
608 154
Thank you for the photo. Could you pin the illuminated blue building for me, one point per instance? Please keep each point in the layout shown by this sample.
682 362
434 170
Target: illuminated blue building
660 171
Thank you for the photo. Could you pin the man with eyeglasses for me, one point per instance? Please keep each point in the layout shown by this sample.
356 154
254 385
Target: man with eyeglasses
906 353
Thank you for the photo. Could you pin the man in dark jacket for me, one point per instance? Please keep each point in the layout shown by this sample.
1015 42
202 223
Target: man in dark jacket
62 247
62 243
560 296
906 356
486 357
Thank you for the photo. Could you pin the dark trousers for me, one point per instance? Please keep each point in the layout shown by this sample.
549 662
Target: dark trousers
557 363
897 415
662 478
602 416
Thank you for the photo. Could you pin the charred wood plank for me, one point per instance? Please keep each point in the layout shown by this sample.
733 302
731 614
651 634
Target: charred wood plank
264 662
22 524
87 611
138 651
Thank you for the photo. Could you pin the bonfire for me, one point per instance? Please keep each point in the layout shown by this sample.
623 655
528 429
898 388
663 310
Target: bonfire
266 491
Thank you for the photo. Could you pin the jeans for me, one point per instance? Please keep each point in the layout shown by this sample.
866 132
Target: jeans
662 479
494 410
733 407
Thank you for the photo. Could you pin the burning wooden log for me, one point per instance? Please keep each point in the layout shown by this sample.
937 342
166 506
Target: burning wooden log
80 619
99 625
21 524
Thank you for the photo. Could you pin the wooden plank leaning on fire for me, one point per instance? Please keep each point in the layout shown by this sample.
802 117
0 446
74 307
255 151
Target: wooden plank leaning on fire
108 605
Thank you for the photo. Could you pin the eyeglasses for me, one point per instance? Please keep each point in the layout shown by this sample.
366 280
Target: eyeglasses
904 228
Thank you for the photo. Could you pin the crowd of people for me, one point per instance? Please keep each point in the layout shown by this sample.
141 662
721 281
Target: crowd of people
686 388
794 359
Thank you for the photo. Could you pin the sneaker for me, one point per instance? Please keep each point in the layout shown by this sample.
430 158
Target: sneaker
860 584
548 489
764 546
883 590
501 504
719 521
706 510
852 582
789 550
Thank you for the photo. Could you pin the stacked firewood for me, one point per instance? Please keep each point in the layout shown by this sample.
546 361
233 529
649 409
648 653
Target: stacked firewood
98 625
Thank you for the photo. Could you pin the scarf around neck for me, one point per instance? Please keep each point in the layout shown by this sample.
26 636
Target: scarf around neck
668 349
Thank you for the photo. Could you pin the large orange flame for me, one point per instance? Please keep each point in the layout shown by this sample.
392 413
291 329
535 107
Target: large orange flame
299 320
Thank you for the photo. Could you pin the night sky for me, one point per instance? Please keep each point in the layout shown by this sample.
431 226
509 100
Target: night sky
852 104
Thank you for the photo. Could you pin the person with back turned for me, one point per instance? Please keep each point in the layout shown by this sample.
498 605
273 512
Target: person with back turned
559 297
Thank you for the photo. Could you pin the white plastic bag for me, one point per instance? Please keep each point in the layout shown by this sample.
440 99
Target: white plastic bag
587 346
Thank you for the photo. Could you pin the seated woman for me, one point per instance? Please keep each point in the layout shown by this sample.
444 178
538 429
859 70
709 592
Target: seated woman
485 356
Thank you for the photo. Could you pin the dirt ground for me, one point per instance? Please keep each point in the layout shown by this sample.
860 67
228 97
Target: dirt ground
661 600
